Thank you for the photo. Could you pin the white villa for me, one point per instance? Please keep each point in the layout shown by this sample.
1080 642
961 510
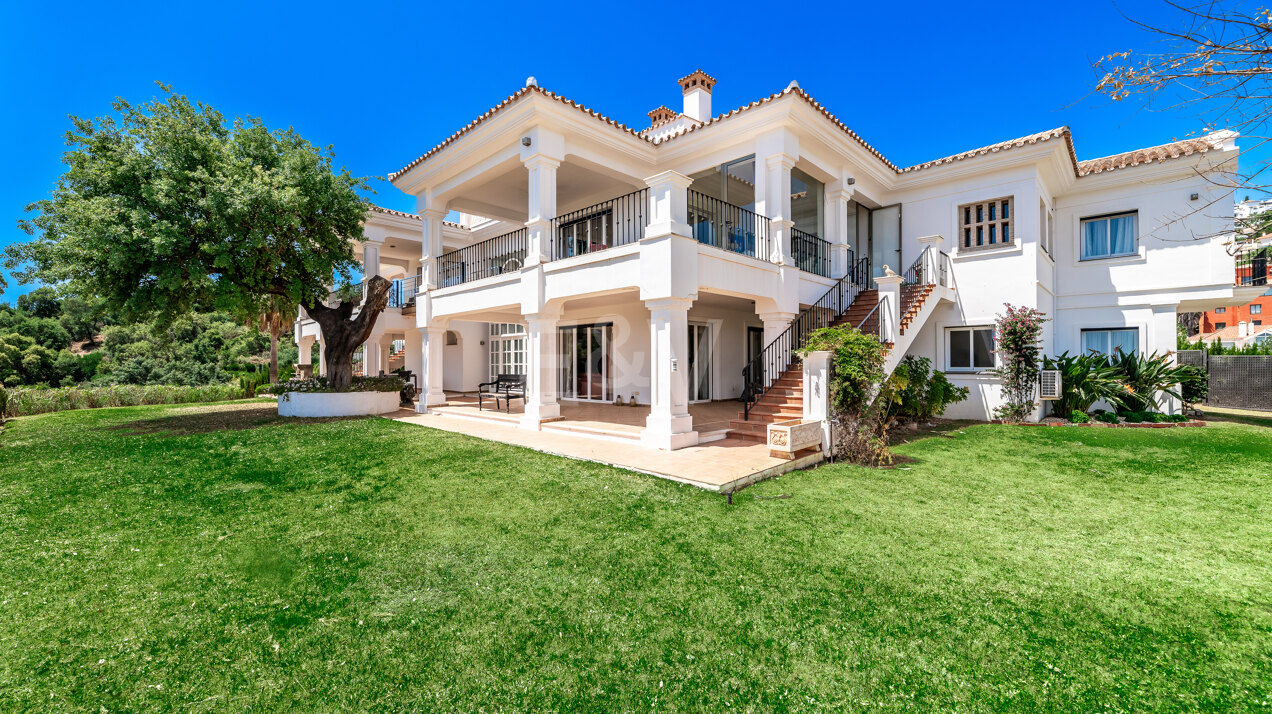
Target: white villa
681 263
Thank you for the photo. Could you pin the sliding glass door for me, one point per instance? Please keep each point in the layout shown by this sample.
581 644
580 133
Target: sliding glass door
586 362
699 363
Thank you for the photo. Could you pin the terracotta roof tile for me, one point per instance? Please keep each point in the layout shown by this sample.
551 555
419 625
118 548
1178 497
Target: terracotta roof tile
1057 133
1173 150
1081 168
506 102
412 216
795 90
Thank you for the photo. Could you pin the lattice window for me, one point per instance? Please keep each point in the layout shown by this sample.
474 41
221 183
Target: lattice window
986 224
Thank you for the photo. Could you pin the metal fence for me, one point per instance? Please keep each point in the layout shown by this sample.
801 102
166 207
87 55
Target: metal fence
1236 381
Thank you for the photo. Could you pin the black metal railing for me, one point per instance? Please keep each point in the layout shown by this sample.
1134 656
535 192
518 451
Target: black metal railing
1252 265
403 291
728 227
762 372
496 256
608 224
811 254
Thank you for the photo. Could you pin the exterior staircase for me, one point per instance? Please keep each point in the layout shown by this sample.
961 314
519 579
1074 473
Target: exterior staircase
784 399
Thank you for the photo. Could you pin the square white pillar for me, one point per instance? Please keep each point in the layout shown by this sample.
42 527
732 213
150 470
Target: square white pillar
542 370
434 339
430 245
541 207
371 364
817 392
890 306
669 424
777 168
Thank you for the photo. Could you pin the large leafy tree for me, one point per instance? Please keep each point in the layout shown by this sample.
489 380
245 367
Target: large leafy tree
167 208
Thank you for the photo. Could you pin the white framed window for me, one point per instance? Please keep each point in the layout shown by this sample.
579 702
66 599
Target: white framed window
969 349
1255 308
1045 224
1112 342
986 224
1220 310
1110 236
507 348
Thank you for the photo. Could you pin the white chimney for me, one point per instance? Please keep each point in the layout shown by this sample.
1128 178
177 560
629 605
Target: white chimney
697 88
1242 329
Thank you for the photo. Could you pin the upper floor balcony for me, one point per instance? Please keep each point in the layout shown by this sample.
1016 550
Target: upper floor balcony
623 221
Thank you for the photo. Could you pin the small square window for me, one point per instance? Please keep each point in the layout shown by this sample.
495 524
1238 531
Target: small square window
1220 325
986 224
1256 309
1220 310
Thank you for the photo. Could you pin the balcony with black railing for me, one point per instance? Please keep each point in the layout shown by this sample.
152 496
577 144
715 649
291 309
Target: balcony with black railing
402 292
728 227
1252 263
811 254
496 256
608 224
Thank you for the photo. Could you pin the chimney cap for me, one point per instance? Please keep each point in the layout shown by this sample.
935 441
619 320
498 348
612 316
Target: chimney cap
697 80
661 115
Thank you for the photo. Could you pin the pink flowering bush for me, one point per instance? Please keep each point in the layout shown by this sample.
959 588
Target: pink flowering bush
1016 336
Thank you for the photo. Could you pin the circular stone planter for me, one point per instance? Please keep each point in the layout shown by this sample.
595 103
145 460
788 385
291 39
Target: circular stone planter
336 404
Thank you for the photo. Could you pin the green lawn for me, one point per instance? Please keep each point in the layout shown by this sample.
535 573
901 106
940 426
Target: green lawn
211 558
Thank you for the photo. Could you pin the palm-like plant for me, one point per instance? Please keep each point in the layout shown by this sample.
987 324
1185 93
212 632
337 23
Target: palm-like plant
1147 376
1085 380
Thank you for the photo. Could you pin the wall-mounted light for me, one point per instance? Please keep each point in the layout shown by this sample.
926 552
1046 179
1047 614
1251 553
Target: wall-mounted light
851 181
1194 197
525 141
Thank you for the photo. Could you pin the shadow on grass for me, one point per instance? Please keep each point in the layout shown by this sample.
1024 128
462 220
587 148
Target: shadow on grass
190 420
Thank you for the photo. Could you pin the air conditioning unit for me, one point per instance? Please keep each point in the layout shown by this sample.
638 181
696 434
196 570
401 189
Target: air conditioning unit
1049 384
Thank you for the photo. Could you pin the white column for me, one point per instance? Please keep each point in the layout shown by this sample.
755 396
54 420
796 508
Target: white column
386 349
542 207
431 245
838 195
669 424
668 204
322 358
434 339
817 393
415 361
778 202
542 371
371 357
890 311
370 260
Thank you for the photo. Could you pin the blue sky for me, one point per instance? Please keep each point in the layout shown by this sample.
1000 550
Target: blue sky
383 82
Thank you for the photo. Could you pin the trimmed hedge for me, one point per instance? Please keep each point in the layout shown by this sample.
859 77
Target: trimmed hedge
25 402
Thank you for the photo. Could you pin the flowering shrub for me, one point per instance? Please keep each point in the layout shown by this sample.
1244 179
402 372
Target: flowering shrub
319 385
1016 335
25 402
856 377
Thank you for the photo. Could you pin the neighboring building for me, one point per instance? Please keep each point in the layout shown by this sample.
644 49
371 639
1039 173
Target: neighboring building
669 263
1250 207
1238 336
1253 315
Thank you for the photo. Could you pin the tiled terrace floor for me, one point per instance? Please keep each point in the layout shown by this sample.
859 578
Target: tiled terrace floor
611 435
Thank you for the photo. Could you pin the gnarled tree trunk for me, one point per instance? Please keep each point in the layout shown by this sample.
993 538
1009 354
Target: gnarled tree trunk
342 332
